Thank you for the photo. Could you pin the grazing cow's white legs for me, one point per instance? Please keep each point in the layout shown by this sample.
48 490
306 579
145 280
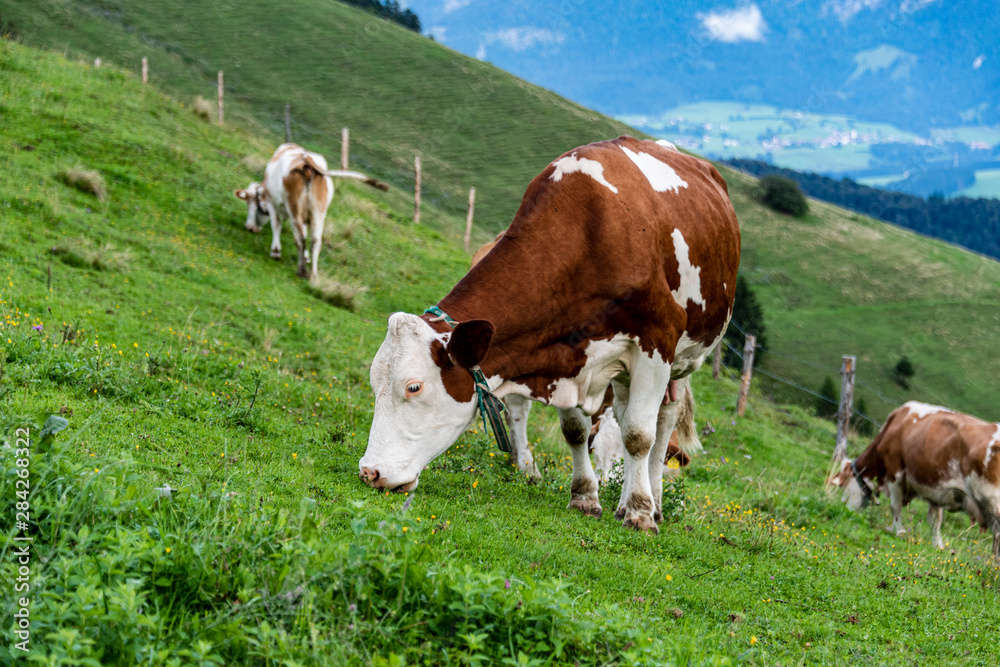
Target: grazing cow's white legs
516 414
935 515
275 232
318 222
666 422
576 429
895 488
637 419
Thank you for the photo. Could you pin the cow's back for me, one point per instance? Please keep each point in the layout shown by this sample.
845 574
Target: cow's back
632 224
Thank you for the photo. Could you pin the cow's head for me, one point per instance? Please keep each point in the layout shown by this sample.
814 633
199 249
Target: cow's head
256 198
858 491
424 397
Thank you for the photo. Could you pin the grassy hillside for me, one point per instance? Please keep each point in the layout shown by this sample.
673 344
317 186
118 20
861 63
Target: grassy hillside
399 93
181 355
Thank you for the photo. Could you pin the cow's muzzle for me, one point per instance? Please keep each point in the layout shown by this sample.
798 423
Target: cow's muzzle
374 479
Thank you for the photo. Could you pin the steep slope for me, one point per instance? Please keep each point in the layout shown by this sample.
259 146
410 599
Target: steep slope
400 94
182 356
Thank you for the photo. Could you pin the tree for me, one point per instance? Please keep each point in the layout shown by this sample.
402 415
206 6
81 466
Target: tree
748 315
903 371
859 423
826 404
783 194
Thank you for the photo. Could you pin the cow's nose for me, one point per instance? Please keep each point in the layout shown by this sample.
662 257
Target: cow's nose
369 476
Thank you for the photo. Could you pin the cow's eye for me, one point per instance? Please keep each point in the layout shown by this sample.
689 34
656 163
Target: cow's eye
414 387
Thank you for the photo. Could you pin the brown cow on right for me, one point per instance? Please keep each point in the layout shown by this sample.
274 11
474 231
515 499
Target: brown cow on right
923 451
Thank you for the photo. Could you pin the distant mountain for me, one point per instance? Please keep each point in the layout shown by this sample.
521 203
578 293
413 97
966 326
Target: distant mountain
917 64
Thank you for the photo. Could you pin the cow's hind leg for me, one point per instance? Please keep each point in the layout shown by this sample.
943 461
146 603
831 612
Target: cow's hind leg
935 515
576 429
637 409
895 488
516 414
666 422
316 242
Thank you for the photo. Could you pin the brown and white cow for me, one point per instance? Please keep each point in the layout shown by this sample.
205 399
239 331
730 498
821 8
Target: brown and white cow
924 451
297 186
619 267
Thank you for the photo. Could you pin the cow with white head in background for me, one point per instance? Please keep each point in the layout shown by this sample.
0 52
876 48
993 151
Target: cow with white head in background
618 268
297 186
924 451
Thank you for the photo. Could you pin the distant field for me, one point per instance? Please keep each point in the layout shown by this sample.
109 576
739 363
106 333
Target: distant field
987 185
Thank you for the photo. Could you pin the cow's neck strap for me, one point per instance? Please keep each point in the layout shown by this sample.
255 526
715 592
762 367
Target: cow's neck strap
866 491
490 407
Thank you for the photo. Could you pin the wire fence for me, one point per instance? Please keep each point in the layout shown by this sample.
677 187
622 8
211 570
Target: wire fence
806 390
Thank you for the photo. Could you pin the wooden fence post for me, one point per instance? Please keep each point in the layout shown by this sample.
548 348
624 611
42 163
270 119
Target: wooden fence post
220 97
416 191
748 350
145 70
716 360
288 123
468 220
846 401
345 147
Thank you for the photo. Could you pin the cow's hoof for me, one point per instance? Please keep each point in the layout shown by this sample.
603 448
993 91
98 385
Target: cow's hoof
642 522
620 513
275 254
588 506
302 272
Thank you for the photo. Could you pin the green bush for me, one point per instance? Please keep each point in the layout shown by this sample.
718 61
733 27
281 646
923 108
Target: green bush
783 195
827 404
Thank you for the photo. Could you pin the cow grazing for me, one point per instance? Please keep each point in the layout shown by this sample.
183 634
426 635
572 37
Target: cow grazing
923 451
297 186
619 267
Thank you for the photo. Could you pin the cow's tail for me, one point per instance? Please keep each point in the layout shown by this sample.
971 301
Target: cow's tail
687 432
357 175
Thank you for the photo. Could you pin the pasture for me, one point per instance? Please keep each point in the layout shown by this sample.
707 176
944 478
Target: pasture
182 356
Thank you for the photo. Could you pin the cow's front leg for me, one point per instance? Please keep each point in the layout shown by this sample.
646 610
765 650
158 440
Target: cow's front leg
516 414
665 424
935 515
316 242
895 489
637 418
576 429
275 233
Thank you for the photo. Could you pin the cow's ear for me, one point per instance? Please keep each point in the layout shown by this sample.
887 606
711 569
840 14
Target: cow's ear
470 341
242 194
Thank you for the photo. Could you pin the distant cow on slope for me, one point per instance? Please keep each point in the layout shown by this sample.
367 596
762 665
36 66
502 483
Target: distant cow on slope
923 451
297 186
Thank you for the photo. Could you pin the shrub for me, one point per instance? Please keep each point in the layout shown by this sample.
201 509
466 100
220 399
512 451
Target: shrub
827 404
336 293
903 371
87 254
859 423
202 108
748 315
783 195
85 180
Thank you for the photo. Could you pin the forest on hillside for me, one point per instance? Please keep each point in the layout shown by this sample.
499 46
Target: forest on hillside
970 223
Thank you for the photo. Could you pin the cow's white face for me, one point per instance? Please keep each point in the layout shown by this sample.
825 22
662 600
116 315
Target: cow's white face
854 495
256 198
416 419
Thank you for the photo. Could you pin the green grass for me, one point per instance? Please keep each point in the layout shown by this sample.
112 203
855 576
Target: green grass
204 365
